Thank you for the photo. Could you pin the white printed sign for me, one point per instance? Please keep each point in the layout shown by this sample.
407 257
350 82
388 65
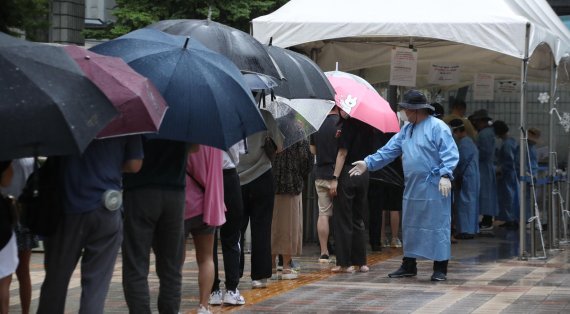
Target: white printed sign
507 88
483 86
444 74
403 67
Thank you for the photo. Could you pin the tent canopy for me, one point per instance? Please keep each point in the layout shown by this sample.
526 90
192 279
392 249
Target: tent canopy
481 36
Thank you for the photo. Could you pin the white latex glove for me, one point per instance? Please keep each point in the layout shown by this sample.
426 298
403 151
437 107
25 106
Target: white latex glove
445 186
358 169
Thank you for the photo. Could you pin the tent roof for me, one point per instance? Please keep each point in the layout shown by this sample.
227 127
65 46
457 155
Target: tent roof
483 36
497 25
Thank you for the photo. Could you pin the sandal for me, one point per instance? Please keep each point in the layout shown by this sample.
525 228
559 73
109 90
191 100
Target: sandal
340 269
363 269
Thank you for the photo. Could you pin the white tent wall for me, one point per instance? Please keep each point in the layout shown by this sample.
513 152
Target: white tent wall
484 36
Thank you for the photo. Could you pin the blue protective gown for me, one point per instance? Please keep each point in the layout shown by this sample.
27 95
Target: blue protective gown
467 197
428 152
533 164
507 182
488 204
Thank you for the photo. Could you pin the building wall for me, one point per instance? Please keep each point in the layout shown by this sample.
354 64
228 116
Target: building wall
100 9
67 21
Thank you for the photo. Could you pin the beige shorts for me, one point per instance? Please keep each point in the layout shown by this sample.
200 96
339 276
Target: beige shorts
325 200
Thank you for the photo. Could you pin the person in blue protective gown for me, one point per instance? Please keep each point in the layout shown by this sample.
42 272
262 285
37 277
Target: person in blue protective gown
466 183
429 156
507 182
531 169
533 138
488 205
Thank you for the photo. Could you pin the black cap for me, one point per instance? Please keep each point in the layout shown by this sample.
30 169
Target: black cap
414 99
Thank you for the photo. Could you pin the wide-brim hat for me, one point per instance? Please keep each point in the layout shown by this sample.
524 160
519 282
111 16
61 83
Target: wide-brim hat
414 99
533 135
480 114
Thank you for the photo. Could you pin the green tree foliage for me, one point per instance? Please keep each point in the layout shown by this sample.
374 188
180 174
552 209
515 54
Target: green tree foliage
30 16
135 14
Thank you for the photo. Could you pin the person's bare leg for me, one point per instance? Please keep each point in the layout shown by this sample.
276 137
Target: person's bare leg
383 229
323 232
23 274
204 244
5 294
395 223
286 263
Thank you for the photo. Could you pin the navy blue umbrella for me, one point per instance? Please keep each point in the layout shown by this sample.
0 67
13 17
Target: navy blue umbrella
209 101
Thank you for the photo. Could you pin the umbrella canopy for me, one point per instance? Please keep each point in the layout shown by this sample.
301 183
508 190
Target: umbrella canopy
241 48
303 79
49 107
295 118
209 102
140 105
361 103
258 82
351 76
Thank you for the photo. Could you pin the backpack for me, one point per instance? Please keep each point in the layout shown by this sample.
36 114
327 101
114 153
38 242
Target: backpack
41 200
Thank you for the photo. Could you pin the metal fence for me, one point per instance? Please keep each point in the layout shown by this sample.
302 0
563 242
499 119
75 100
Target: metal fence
507 108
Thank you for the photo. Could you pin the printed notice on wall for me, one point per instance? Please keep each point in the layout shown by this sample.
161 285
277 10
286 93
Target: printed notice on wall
403 68
507 88
483 86
444 74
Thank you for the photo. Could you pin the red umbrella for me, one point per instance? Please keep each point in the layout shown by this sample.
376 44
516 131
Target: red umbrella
140 105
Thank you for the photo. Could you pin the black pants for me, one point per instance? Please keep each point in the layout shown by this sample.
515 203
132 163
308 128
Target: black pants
375 212
258 197
230 232
350 206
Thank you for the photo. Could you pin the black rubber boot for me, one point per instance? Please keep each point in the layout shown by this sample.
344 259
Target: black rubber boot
407 269
439 271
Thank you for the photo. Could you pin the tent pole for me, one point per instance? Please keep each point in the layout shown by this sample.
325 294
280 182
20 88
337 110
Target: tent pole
552 217
522 148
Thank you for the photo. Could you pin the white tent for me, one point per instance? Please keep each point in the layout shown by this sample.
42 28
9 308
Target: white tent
512 39
484 36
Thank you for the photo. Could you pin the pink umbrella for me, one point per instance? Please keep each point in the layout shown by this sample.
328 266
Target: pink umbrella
364 104
140 105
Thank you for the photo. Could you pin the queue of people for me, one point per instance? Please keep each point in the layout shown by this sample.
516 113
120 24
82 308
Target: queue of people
173 189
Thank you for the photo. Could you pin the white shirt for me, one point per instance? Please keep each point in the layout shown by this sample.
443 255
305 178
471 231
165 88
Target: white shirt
231 156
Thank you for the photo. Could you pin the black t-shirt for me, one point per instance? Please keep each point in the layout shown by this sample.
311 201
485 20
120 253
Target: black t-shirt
380 139
326 142
357 138
164 166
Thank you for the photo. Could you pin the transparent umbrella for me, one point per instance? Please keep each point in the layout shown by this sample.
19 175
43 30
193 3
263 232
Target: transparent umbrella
296 119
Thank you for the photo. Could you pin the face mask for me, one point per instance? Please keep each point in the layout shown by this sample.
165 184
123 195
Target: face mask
403 116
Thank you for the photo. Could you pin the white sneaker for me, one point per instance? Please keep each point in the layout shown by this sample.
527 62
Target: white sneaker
203 310
396 242
233 298
289 275
259 284
215 298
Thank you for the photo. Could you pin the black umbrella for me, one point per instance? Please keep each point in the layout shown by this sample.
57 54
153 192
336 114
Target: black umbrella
303 79
242 49
47 106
